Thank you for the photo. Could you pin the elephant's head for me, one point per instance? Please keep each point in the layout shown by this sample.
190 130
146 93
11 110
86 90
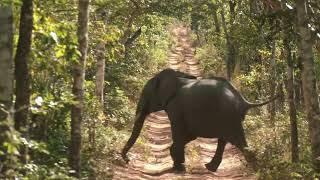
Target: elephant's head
155 96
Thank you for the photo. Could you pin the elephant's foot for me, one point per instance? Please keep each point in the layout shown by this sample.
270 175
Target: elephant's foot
179 168
213 165
125 157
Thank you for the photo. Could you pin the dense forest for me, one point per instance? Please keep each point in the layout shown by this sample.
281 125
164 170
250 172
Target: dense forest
72 71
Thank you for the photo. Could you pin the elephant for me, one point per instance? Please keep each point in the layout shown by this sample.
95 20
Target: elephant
208 108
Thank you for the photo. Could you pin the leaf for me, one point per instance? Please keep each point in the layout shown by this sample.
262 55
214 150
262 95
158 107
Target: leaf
296 175
54 37
289 6
39 101
11 149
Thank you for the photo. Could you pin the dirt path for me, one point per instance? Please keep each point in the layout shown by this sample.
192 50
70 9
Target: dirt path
152 160
232 167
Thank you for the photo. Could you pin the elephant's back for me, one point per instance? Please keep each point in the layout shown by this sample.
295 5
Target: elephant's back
209 109
211 96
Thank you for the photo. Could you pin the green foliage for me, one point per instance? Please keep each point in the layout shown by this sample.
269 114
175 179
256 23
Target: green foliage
108 144
10 2
211 61
118 108
57 171
271 143
9 153
14 169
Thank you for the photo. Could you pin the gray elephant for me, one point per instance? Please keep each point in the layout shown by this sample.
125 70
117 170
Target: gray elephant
208 108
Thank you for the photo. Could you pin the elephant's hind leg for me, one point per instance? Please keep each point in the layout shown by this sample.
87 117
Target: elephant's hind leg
249 155
216 160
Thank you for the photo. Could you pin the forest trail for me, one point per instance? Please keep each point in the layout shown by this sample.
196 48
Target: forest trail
152 159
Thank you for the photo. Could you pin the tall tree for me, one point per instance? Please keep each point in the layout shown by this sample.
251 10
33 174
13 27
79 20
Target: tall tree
99 89
287 41
305 52
78 87
291 100
230 43
272 105
22 90
6 80
214 10
6 61
100 72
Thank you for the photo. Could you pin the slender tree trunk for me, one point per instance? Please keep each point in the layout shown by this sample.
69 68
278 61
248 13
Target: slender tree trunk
272 105
99 90
6 60
213 8
298 85
100 72
22 90
232 7
305 42
6 80
287 38
78 88
280 93
230 58
291 101
129 42
297 92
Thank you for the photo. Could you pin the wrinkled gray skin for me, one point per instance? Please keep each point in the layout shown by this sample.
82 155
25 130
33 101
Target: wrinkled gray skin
209 108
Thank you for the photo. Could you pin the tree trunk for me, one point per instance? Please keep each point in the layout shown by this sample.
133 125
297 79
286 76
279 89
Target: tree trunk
213 8
22 72
6 61
272 105
280 93
6 80
291 101
297 86
100 72
129 43
230 58
305 53
78 88
99 91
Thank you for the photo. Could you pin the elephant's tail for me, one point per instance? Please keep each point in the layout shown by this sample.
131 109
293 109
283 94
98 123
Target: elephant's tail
251 105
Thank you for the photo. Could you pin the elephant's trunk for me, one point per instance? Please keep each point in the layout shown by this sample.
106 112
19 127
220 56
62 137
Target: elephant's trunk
139 120
143 109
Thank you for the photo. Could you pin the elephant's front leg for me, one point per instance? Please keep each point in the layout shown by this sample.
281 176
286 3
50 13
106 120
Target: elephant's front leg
180 139
177 150
177 155
216 160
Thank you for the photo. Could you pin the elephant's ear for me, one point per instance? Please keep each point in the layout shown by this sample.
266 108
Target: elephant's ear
167 87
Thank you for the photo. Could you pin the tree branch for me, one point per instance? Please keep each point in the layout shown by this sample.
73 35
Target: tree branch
131 39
